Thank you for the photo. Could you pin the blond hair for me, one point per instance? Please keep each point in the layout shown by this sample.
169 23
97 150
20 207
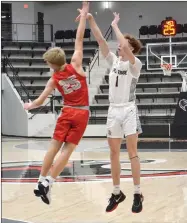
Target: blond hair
55 56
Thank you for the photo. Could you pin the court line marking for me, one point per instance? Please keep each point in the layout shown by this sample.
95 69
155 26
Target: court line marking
78 148
108 167
108 175
105 147
102 181
87 161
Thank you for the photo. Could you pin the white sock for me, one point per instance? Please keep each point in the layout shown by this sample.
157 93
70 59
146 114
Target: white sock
50 179
137 189
41 178
116 189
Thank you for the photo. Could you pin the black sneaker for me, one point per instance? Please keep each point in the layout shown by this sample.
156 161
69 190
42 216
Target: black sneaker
45 192
114 201
137 203
36 190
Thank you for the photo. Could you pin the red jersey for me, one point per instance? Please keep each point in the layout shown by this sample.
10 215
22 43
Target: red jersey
72 86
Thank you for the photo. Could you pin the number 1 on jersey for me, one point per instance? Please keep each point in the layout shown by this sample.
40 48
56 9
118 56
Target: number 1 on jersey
117 81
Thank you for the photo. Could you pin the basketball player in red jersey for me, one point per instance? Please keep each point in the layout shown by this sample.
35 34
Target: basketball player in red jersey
70 80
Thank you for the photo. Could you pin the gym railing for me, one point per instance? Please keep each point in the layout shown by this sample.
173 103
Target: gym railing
7 67
42 108
26 32
95 59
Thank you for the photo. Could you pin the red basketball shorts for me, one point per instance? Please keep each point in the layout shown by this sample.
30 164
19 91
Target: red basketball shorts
71 125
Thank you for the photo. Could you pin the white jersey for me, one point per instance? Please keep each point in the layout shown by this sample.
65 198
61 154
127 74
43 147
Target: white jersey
123 78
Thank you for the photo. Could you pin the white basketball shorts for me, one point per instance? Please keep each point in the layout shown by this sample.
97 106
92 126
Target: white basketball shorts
123 121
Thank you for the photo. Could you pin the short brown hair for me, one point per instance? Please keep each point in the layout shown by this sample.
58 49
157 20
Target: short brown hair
136 44
55 56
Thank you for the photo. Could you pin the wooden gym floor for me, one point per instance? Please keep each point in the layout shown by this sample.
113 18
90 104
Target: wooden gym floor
81 192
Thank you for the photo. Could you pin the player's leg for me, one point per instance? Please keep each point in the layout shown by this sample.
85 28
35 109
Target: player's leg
117 195
62 160
60 132
115 145
131 142
115 135
59 165
49 157
47 163
75 133
131 129
79 120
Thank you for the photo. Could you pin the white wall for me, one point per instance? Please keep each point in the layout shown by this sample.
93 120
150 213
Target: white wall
95 131
62 14
15 120
14 117
45 127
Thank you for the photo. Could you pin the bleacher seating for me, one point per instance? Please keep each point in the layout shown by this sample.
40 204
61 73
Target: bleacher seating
26 58
156 94
70 34
153 30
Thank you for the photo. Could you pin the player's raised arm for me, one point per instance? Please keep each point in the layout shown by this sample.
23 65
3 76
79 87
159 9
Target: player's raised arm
77 57
97 34
122 41
40 100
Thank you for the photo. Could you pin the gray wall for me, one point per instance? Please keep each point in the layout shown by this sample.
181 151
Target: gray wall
62 15
39 7
29 16
21 15
14 117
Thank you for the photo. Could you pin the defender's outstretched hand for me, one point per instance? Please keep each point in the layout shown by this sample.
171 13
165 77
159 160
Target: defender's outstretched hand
85 8
116 19
89 16
84 11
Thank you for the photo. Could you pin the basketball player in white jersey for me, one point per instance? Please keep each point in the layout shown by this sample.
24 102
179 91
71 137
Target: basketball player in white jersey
122 115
